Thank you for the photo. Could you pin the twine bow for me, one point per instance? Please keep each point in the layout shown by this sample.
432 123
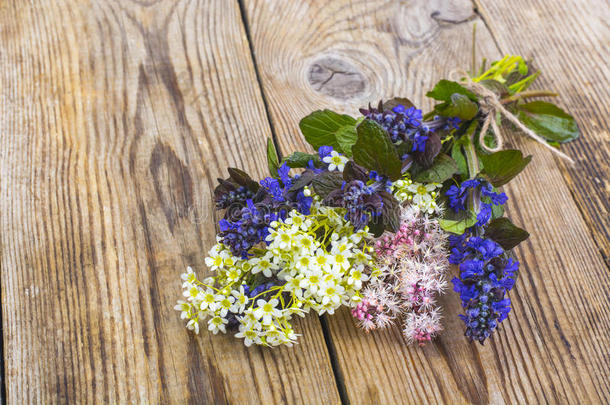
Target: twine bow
491 105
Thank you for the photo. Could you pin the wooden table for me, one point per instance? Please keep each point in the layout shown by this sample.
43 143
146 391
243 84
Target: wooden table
117 117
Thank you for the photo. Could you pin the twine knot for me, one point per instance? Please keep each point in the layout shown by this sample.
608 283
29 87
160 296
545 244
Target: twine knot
491 107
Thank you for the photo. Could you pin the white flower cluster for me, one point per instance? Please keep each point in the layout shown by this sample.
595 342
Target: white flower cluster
422 195
311 262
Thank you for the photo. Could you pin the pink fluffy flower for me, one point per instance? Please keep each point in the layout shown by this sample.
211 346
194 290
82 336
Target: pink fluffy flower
413 262
378 308
422 327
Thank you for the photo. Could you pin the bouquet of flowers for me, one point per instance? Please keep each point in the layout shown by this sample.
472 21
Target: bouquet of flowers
376 217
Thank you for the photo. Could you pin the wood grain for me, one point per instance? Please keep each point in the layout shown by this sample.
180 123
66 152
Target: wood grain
570 43
553 348
116 117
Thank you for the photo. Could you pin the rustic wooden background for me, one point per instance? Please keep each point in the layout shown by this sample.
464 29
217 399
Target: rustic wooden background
116 118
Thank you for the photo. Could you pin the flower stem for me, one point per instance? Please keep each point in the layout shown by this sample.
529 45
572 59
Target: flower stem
473 169
527 94
471 159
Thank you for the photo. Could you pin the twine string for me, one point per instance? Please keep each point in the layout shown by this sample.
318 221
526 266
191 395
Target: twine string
491 106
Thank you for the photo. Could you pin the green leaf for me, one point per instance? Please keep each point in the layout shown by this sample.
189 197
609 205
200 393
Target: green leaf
433 146
523 84
507 235
443 168
459 105
272 159
464 146
444 89
500 167
376 228
346 138
548 121
326 182
522 67
391 211
458 223
375 151
500 89
458 156
513 78
390 217
304 180
353 171
300 159
321 127
404 147
496 210
396 101
243 179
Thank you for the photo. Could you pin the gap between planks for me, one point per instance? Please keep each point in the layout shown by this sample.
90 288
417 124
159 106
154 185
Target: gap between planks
332 352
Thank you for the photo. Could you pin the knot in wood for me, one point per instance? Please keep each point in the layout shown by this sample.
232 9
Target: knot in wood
336 78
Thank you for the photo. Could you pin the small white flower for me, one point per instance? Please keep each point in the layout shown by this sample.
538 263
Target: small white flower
289 337
272 336
273 233
263 265
250 320
216 324
361 257
335 161
303 263
339 262
332 293
423 195
229 261
298 221
209 301
185 308
356 277
250 335
305 243
189 276
193 325
225 303
328 307
214 261
241 299
321 260
342 246
357 236
421 192
267 310
233 274
315 280
295 285
192 292
283 239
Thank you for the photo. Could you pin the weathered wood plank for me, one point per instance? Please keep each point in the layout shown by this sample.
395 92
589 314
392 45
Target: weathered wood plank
116 118
570 43
553 348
